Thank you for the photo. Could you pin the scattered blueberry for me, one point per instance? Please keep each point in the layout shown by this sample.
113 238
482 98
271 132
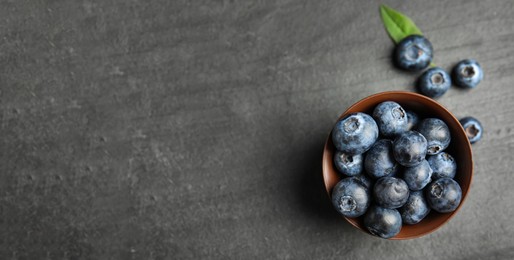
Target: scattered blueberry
467 74
413 53
473 128
444 195
437 134
443 165
410 148
390 192
347 164
415 209
355 133
434 82
417 177
391 118
382 222
350 197
412 119
379 160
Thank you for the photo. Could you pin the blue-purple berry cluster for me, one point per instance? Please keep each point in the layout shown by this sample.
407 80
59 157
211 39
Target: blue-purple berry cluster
415 53
395 168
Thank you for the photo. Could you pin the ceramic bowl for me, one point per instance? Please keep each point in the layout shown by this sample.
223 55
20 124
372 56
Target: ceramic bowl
459 148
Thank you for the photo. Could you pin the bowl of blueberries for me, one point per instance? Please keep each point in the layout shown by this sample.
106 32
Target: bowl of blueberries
397 165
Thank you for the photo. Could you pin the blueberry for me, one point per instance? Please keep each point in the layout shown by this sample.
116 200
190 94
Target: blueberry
350 197
467 74
415 209
443 195
391 118
355 133
434 82
347 164
413 53
390 192
443 165
473 128
437 134
382 222
417 177
410 148
365 181
379 160
412 119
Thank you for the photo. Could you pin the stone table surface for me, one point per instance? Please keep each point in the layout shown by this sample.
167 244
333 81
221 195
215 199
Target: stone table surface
181 129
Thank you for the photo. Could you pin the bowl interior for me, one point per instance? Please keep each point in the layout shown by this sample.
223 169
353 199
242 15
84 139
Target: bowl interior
459 148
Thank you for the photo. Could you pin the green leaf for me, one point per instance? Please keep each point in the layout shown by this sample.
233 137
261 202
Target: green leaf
397 24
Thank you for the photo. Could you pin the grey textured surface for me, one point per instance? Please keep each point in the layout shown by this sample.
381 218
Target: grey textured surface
194 129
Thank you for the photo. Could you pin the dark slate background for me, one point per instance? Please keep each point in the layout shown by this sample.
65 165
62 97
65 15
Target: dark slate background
194 129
